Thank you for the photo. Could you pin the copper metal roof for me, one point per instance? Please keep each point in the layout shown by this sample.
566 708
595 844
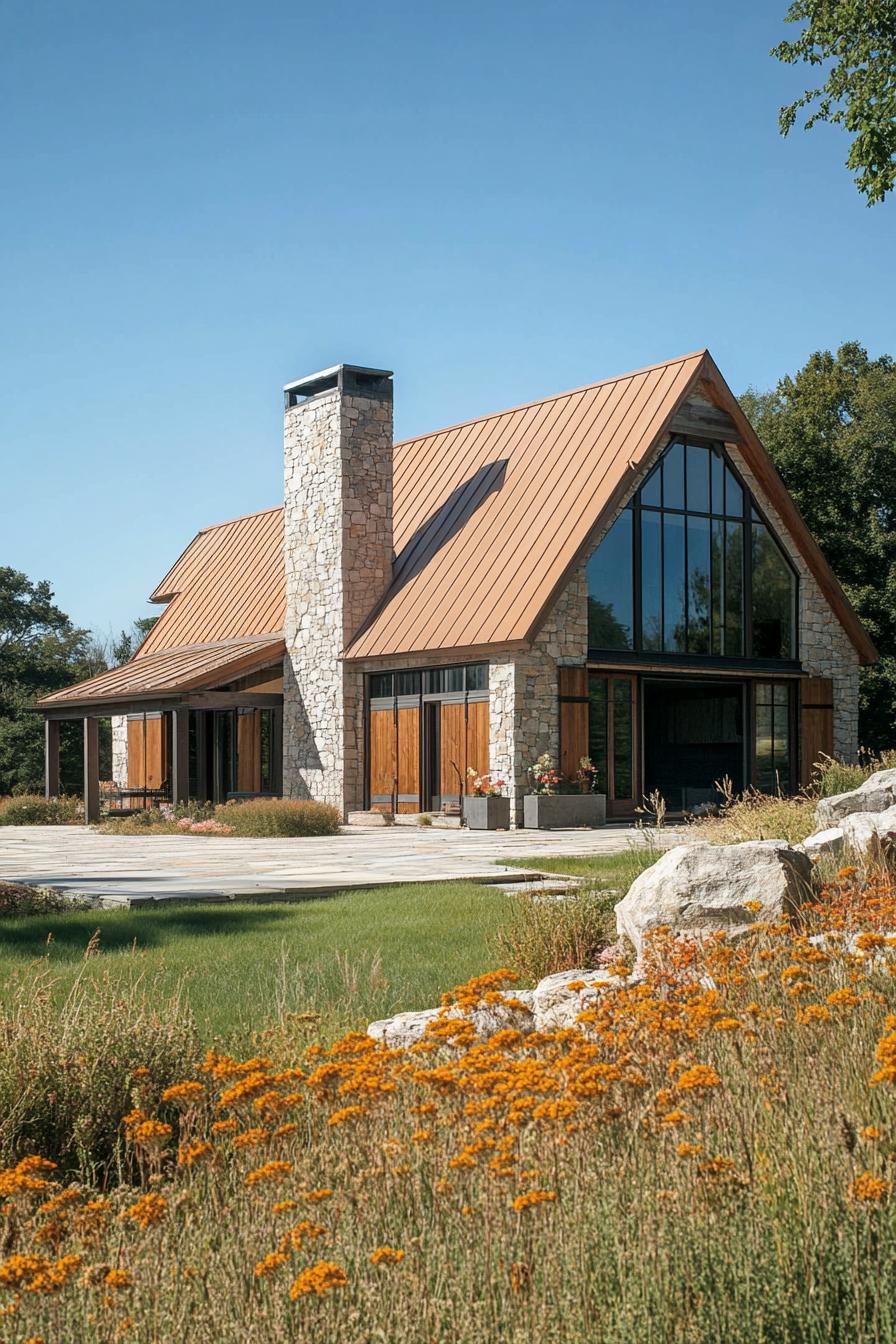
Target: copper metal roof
172 670
229 583
490 515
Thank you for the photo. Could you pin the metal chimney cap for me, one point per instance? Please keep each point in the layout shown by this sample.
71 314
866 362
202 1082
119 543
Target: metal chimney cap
351 378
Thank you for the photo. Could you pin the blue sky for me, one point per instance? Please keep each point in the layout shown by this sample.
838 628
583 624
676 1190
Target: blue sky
202 201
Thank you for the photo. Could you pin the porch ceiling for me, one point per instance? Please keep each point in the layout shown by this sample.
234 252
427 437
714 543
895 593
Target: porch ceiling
170 672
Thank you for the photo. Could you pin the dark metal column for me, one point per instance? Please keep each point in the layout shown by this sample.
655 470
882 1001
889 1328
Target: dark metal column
51 758
91 770
180 755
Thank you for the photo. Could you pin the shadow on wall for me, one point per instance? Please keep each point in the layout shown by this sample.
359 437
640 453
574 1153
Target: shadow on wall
299 744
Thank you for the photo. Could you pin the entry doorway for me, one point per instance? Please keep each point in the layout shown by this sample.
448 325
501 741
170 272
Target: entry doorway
694 735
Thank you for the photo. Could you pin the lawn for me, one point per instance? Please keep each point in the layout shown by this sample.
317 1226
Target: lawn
351 957
605 870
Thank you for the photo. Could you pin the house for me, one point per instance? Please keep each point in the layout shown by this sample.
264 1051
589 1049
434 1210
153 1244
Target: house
615 572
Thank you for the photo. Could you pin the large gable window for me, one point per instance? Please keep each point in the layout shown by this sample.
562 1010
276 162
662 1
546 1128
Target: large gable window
690 567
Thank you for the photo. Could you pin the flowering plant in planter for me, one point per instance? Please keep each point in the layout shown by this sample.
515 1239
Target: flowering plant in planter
544 776
586 775
484 785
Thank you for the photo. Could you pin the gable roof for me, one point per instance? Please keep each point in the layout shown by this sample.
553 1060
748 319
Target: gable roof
228 584
491 516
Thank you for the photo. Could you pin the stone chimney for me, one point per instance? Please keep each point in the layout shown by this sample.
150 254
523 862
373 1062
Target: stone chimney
337 449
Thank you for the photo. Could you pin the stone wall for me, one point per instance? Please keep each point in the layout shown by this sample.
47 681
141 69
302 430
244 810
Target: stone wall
338 553
524 717
825 649
120 750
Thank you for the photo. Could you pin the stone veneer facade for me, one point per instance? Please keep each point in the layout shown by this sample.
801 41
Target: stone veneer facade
338 553
120 750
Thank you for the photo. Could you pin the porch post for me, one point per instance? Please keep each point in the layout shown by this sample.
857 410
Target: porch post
91 770
180 755
51 758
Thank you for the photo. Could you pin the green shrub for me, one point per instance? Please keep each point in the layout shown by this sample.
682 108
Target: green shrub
543 934
831 776
73 1066
19 898
32 809
279 816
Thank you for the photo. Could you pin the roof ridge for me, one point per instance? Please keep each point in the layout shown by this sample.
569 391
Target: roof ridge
554 396
240 518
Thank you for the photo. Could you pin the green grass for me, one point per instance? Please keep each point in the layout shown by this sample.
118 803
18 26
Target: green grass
605 870
352 957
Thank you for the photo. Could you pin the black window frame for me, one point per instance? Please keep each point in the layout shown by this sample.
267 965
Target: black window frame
750 512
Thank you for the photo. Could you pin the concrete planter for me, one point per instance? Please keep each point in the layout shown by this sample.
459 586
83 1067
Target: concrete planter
543 812
487 814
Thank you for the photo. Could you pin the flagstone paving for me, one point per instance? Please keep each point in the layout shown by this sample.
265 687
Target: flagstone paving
125 870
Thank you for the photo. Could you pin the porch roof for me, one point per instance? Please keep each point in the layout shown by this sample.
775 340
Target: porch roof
168 672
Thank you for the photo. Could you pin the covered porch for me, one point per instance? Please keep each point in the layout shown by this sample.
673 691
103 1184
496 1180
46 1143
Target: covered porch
202 723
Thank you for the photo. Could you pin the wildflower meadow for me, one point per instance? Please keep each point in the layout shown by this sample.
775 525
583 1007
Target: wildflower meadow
708 1156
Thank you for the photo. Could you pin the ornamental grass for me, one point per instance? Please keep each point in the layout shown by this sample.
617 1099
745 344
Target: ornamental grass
710 1157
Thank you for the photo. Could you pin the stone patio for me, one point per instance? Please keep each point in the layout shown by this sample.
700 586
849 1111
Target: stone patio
129 870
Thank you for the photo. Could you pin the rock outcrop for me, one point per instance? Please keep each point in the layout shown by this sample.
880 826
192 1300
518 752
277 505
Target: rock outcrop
876 794
699 889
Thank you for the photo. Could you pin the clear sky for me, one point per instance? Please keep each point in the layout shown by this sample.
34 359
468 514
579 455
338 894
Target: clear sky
202 201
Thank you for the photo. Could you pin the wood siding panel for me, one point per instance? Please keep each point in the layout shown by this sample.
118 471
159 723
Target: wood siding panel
573 689
383 764
477 739
816 723
147 752
408 728
453 747
248 749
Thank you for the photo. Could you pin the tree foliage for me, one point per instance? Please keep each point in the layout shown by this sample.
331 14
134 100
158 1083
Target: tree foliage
831 431
41 650
859 93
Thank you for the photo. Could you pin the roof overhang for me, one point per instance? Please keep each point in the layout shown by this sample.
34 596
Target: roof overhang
166 677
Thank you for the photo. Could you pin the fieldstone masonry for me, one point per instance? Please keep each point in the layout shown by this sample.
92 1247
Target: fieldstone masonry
338 553
120 750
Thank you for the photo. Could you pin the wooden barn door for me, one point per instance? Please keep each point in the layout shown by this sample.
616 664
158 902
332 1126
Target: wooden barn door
248 751
383 759
573 688
477 740
147 751
816 723
407 729
452 751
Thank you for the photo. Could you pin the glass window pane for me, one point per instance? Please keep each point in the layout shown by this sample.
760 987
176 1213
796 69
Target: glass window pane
432 681
698 478
452 679
477 677
717 567
651 581
611 587
622 740
380 684
717 471
764 693
597 729
734 495
773 598
673 477
782 693
698 585
673 584
651 490
765 761
407 683
266 738
734 590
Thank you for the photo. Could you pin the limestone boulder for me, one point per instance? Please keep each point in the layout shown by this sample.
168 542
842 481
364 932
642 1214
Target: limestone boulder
514 1011
700 889
824 843
561 997
871 834
403 1030
876 794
